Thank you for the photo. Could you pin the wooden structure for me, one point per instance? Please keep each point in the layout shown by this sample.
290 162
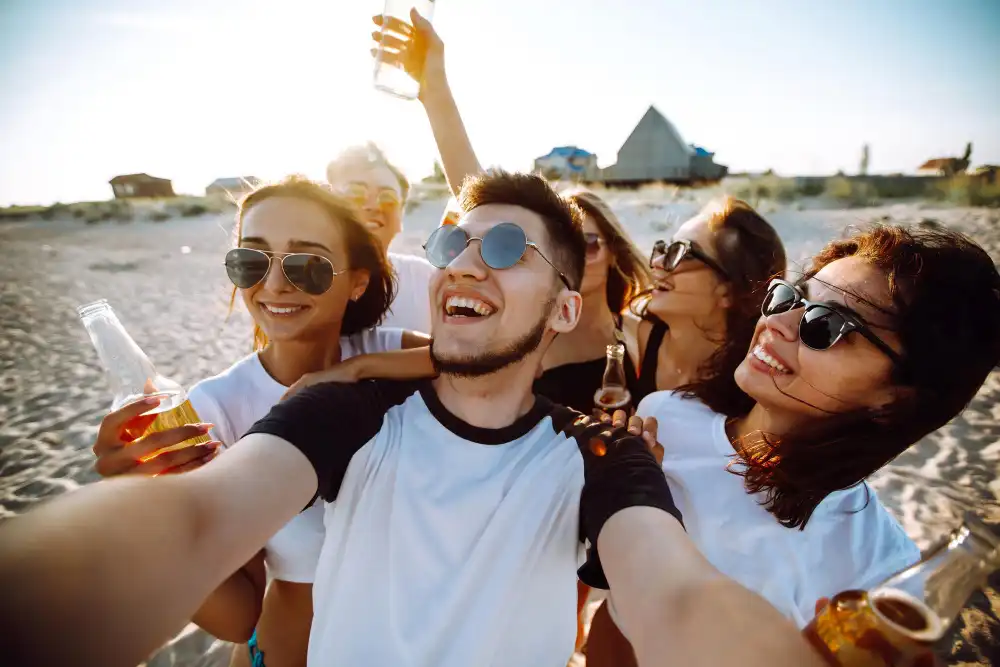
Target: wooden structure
131 186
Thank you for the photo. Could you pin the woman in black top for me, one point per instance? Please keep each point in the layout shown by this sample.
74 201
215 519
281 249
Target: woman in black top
614 274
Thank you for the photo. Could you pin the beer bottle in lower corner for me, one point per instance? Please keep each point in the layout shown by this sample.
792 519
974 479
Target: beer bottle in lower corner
133 377
896 623
613 394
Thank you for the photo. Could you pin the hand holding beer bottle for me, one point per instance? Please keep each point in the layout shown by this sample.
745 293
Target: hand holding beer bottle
152 428
412 47
896 623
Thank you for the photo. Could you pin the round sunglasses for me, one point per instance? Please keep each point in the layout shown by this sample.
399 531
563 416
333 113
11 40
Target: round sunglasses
312 274
501 247
677 251
594 244
823 323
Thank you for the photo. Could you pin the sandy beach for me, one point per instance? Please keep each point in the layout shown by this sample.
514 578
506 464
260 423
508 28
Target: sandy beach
167 283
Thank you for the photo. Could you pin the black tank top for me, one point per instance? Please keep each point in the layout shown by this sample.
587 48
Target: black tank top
574 385
646 382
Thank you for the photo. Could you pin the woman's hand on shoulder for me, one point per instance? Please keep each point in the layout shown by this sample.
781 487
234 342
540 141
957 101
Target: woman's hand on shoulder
120 452
345 371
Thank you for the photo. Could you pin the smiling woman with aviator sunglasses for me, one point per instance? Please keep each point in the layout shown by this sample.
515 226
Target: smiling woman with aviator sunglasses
898 332
316 282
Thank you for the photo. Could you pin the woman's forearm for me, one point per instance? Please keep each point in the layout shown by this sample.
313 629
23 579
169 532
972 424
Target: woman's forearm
231 612
396 365
458 159
673 605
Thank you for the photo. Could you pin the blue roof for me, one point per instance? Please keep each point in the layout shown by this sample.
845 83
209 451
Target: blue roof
568 151
698 150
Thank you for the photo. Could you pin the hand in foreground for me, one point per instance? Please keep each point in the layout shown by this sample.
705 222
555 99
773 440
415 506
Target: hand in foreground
415 47
344 371
119 452
636 425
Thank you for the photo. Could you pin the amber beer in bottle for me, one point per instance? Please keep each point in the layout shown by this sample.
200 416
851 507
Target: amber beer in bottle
133 377
896 623
613 394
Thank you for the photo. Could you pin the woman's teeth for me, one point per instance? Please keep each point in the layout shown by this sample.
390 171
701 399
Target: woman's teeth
463 306
761 355
282 310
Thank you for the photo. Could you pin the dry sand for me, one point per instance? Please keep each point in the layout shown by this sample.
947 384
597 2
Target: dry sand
167 283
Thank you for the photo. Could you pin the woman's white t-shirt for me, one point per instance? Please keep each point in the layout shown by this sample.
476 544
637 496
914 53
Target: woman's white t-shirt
411 309
235 399
851 541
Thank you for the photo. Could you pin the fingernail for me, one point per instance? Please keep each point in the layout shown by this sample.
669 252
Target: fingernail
205 428
152 400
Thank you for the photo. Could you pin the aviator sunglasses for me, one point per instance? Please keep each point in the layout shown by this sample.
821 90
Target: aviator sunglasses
312 274
822 323
675 253
501 247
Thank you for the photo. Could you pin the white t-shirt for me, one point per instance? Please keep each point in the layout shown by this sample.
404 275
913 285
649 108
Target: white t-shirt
449 545
236 398
411 309
851 541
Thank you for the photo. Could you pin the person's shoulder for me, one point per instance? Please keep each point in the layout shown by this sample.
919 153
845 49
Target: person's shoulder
411 265
375 339
671 405
241 374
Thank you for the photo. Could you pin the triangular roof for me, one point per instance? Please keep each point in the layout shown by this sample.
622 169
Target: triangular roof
653 122
136 177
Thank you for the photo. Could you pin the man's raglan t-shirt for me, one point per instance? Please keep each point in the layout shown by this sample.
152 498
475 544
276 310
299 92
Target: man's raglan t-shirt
446 540
236 398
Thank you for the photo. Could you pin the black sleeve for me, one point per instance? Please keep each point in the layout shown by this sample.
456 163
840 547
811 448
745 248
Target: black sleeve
619 472
330 422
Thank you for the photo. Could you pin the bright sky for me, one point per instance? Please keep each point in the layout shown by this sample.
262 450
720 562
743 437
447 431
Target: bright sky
198 89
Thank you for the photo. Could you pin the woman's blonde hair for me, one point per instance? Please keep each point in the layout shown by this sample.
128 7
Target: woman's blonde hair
363 251
629 272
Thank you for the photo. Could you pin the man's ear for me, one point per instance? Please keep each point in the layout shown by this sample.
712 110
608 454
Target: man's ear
566 314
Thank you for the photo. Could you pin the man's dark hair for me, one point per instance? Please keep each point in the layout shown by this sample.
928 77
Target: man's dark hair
566 246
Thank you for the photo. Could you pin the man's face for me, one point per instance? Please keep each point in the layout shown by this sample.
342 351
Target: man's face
485 319
376 193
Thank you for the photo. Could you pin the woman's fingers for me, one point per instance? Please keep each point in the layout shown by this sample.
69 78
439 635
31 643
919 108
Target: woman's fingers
391 42
109 436
393 23
177 460
154 442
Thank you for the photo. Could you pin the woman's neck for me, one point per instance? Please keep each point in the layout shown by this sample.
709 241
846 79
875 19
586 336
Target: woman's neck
687 345
589 340
288 361
759 420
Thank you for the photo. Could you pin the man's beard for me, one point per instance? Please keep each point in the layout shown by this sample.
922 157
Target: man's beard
492 362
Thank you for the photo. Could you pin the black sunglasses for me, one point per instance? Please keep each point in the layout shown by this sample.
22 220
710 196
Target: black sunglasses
312 274
822 323
501 247
677 251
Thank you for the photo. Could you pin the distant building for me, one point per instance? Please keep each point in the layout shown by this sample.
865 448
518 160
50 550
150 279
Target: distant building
234 187
141 185
947 166
567 163
655 151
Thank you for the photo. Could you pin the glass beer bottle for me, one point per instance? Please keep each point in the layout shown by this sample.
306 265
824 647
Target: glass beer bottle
613 394
133 377
896 623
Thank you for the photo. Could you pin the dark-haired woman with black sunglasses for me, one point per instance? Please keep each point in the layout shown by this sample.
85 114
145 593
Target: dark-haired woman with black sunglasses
886 338
315 281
